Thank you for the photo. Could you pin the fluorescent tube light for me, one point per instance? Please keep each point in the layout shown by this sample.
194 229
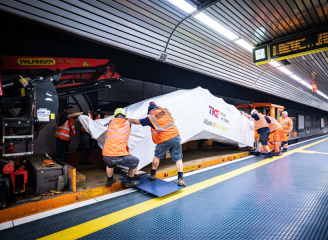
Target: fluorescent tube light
214 25
295 77
320 93
184 6
304 83
285 70
275 64
245 44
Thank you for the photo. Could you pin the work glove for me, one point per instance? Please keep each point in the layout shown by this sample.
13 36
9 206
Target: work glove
85 113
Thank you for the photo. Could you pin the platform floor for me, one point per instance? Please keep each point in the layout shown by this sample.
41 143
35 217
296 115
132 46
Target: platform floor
96 173
253 198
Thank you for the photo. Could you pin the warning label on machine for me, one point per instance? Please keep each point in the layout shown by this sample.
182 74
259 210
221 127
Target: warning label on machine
85 64
43 115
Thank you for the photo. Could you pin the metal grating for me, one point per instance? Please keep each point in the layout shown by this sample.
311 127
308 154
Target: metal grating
168 89
132 90
149 27
152 90
114 94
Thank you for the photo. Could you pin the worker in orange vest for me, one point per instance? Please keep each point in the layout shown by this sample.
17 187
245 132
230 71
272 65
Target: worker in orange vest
262 128
277 131
64 130
167 137
116 151
287 126
86 142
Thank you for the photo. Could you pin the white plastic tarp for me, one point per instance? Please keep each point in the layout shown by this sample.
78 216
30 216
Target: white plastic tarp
197 114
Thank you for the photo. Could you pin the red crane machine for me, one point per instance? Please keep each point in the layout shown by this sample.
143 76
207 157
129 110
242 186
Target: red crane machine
29 88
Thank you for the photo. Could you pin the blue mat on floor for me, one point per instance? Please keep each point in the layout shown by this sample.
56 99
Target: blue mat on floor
159 188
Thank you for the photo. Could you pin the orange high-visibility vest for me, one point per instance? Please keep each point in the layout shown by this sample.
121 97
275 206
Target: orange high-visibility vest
286 123
261 123
274 124
118 134
163 123
66 130
91 115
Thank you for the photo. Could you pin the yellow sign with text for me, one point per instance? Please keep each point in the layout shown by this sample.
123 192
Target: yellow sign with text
36 61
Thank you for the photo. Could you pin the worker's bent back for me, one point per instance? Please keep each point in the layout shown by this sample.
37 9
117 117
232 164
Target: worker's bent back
118 134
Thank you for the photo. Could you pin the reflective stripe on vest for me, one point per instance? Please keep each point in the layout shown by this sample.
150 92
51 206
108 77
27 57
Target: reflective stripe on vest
123 131
66 128
261 123
164 127
65 131
160 128
285 124
274 124
120 137
63 134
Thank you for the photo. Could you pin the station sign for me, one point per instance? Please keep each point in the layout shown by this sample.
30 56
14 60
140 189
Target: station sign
312 42
261 54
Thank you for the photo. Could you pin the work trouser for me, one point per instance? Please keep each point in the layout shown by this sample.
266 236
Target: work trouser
86 144
277 138
285 137
62 148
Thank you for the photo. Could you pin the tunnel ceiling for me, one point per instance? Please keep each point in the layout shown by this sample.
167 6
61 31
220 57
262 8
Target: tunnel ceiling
148 28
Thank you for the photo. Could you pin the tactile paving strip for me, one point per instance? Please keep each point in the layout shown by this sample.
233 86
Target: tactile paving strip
286 199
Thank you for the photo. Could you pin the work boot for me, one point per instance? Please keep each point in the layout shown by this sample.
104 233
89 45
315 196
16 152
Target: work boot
131 182
276 153
152 175
110 181
269 155
181 182
284 150
257 154
253 152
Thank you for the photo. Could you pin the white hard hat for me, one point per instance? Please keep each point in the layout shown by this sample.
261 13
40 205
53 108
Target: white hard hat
285 112
253 111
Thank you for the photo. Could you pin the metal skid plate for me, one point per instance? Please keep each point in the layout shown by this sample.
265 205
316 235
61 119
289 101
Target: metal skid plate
159 188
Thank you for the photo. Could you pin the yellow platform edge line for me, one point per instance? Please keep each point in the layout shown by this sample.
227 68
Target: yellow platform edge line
311 152
105 221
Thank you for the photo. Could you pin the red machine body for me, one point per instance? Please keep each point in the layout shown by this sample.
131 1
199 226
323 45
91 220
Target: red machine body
9 168
82 70
18 77
23 174
18 176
